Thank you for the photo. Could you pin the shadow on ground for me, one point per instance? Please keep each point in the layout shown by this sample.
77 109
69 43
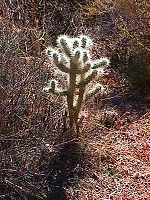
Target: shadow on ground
62 168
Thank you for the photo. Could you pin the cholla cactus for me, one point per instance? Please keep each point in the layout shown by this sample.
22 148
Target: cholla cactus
72 59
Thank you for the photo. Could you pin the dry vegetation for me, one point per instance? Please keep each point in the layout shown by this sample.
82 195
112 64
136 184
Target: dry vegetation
111 158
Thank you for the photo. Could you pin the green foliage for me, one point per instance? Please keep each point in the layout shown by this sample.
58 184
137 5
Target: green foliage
72 60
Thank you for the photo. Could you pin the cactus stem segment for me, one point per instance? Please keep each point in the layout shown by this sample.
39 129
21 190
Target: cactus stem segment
87 79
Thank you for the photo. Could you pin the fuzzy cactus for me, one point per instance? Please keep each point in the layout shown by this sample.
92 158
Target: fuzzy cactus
72 59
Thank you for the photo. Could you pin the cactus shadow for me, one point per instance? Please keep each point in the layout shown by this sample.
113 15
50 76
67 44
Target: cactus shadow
64 166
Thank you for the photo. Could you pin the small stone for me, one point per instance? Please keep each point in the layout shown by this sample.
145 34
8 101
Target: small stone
136 175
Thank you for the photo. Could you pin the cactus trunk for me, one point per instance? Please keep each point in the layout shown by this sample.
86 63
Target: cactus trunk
70 99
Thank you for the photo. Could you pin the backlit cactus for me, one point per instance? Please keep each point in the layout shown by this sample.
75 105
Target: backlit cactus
72 59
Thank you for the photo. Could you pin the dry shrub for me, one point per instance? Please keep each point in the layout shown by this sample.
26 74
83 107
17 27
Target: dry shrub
30 121
137 27
94 7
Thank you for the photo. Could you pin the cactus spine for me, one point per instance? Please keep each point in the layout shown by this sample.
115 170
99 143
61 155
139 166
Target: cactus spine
72 57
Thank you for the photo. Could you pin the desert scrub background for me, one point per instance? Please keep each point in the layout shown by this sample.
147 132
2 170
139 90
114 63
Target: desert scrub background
31 122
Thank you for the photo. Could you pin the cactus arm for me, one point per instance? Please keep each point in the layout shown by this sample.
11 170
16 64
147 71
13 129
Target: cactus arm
55 89
60 93
63 67
66 48
65 44
101 63
82 70
86 56
57 92
86 42
87 79
93 91
89 95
